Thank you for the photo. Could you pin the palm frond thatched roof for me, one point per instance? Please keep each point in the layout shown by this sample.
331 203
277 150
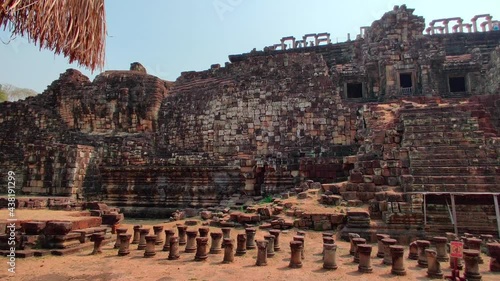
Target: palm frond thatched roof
75 28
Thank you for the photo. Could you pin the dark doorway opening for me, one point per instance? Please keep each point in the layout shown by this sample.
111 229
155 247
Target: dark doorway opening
457 84
405 80
260 177
354 90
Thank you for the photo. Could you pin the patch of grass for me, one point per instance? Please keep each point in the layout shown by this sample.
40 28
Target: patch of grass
266 200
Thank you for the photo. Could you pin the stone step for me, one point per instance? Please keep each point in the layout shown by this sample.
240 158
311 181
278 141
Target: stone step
443 141
454 188
444 134
470 121
455 162
469 170
454 179
441 128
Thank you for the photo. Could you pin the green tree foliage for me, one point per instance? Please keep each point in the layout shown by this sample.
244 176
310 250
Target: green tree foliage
3 96
13 93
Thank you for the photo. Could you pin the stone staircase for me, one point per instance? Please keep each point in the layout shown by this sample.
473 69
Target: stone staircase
451 149
448 151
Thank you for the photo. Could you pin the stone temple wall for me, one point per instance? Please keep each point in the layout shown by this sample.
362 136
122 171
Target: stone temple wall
368 111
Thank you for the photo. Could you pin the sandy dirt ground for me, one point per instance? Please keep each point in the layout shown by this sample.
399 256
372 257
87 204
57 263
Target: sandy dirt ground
108 266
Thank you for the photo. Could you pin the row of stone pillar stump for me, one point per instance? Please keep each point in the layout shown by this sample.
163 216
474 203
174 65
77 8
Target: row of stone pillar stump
196 241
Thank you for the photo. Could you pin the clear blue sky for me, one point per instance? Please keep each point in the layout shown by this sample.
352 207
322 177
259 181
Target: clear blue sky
171 36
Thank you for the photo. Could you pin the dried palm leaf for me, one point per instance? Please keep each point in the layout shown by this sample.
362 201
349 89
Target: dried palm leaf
75 28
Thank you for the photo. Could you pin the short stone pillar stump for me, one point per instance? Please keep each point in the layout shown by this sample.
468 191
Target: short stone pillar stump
228 245
250 232
397 253
301 239
357 242
181 232
158 229
471 259
365 262
440 244
241 247
169 233
204 231
296 250
226 232
330 256
143 231
150 246
475 244
433 266
261 252
276 233
386 244
120 230
137 234
191 241
413 251
124 244
97 238
380 244
201 249
352 250
173 253
301 233
422 257
494 251
215 246
270 245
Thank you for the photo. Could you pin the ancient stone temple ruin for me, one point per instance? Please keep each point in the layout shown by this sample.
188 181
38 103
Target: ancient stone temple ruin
406 115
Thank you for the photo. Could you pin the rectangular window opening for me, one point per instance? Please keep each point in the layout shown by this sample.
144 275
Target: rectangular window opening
405 80
457 84
354 90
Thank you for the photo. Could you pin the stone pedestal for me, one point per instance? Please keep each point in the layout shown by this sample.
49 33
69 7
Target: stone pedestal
352 250
158 229
295 259
386 244
215 246
169 233
261 252
327 240
120 230
181 232
226 232
201 248
330 256
250 232
142 240
413 251
422 257
486 238
270 245
150 246
137 235
327 234
241 247
173 253
301 233
380 245
397 254
433 266
494 251
440 244
365 262
228 245
471 259
276 233
191 241
204 231
124 244
301 239
356 242
97 238
475 244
